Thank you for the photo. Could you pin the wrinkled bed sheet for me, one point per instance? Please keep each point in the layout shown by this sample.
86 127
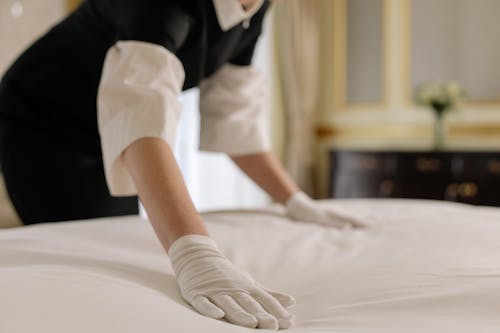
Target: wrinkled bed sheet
421 266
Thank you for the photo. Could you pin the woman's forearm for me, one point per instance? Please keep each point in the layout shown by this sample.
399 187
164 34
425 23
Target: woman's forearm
267 172
162 190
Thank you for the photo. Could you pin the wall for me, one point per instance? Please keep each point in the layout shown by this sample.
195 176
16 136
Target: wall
21 21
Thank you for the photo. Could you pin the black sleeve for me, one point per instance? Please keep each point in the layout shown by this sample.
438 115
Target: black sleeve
161 22
245 54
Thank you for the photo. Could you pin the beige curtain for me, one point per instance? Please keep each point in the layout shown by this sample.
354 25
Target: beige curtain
298 43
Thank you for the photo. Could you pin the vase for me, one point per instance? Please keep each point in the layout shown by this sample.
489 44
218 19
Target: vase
439 132
440 109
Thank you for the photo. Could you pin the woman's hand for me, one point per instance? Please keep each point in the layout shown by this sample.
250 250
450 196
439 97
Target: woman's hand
267 172
215 288
301 207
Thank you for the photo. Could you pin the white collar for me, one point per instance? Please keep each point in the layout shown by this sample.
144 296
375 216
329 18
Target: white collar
230 13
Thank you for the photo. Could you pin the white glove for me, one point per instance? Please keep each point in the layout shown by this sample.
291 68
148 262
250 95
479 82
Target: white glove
217 289
301 207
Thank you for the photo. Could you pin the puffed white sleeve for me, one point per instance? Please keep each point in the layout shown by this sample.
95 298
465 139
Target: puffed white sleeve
137 98
233 110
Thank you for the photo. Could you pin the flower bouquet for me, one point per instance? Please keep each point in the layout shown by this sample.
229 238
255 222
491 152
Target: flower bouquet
440 97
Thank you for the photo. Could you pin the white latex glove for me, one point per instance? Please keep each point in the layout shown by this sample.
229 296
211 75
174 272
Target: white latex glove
217 289
301 207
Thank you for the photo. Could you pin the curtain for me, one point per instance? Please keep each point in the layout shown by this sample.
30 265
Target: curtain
297 30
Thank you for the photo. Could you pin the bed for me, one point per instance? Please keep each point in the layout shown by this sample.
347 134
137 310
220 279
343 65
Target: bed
421 266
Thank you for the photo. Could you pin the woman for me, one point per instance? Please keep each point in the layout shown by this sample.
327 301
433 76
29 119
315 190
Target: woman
87 121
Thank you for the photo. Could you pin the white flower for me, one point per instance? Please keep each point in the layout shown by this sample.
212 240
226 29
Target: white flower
454 90
447 95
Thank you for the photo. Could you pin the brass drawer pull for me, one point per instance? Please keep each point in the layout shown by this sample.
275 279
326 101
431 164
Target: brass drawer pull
468 190
427 165
386 187
494 166
464 190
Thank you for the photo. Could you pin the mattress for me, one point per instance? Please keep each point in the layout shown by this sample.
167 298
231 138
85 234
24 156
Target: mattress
420 266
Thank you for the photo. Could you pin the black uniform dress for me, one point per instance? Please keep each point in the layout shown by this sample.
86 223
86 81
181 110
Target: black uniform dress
50 150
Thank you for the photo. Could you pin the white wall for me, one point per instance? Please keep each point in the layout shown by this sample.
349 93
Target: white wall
21 21
457 39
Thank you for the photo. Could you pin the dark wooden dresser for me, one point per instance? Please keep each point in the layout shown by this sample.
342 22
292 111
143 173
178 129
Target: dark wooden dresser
468 177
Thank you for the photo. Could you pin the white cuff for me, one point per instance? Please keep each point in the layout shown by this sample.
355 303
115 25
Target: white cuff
296 204
233 106
188 242
138 97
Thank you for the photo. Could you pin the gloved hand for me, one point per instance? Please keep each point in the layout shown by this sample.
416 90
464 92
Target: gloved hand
301 207
217 289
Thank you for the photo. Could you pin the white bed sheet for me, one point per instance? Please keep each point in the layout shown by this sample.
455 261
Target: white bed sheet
422 266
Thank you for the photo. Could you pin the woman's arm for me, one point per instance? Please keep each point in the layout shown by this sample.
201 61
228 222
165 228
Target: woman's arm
162 191
207 279
268 173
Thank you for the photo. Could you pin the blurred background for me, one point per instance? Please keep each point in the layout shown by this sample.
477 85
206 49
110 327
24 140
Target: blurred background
367 99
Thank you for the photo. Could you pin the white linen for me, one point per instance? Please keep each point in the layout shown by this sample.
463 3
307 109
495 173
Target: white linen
138 97
233 108
420 267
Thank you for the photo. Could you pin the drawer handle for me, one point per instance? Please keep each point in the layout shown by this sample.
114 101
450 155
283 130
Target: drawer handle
464 190
386 187
468 190
427 165
494 166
